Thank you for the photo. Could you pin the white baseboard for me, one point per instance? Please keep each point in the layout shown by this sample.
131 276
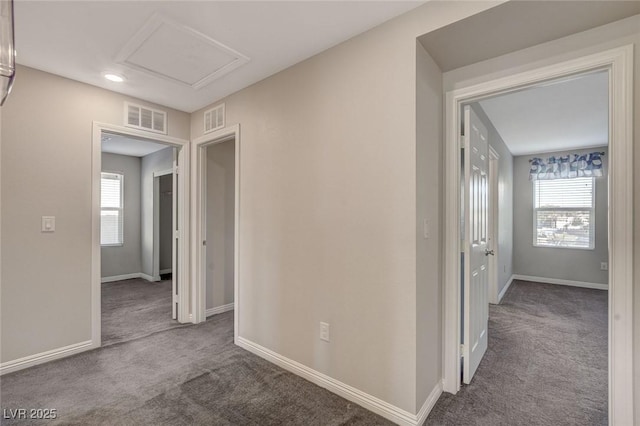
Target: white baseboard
149 277
219 309
505 288
128 277
429 403
166 271
42 357
571 283
119 277
371 403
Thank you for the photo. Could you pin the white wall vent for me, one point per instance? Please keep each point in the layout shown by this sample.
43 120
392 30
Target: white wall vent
214 119
145 118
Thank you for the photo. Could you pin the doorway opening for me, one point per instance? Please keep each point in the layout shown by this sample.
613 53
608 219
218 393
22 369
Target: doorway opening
216 214
136 229
572 228
139 284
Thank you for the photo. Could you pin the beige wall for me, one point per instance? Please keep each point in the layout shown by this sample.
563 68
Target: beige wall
328 211
621 33
220 222
46 170
429 197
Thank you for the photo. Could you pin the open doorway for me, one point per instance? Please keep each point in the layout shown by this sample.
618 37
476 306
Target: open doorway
131 298
219 223
553 206
136 228
215 235
571 228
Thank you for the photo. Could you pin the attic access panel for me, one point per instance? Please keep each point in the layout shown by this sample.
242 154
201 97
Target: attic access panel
178 53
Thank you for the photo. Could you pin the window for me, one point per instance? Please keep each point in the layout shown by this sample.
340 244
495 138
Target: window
111 209
563 213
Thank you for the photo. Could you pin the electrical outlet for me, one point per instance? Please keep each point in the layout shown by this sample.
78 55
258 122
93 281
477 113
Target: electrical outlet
324 331
604 266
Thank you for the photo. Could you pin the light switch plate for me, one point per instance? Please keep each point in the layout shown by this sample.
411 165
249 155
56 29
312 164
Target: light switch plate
48 223
324 331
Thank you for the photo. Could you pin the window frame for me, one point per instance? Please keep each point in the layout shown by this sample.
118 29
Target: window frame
591 210
118 209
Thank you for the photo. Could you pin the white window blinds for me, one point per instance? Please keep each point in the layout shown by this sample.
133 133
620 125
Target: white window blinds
564 213
111 209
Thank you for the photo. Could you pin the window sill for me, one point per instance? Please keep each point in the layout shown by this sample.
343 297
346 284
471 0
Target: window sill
563 247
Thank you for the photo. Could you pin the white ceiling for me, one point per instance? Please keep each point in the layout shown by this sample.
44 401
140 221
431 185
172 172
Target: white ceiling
563 115
82 40
118 144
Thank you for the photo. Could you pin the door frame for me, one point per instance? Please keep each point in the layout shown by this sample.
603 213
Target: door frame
494 223
183 213
156 222
198 206
619 64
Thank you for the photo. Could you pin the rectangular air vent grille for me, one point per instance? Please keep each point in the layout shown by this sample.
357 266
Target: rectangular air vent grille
214 119
145 118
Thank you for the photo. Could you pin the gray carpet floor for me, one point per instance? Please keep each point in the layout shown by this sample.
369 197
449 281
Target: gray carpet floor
546 363
135 308
192 375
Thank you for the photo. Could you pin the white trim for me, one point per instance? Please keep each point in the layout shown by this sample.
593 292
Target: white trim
198 300
619 63
505 288
371 403
428 405
149 277
113 278
166 271
535 191
156 219
494 223
544 280
163 173
134 275
42 357
219 309
96 169
155 261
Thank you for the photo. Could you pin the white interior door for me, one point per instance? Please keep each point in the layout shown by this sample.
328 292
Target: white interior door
174 240
476 265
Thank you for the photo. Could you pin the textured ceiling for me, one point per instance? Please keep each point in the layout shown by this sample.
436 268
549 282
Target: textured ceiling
82 40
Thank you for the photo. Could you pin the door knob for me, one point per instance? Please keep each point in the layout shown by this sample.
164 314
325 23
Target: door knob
488 252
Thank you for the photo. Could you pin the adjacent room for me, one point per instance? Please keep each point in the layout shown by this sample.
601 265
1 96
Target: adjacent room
136 243
535 263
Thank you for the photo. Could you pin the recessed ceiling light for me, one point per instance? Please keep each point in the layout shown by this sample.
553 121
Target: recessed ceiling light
114 77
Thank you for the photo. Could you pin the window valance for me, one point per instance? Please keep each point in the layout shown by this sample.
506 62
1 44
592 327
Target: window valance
566 166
